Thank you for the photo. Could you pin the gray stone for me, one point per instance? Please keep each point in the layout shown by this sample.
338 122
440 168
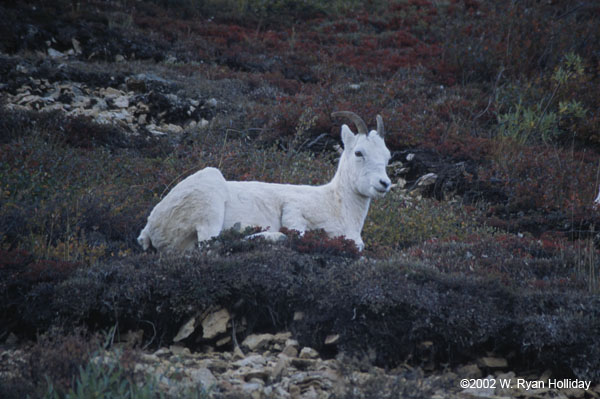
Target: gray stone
121 102
251 361
493 362
204 377
308 353
215 324
55 53
290 350
257 341
332 339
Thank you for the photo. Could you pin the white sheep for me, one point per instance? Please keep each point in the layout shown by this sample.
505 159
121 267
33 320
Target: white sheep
204 204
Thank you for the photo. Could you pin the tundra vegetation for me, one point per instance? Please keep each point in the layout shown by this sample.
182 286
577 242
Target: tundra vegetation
495 252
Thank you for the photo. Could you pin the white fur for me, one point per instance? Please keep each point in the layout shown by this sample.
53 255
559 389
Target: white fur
204 204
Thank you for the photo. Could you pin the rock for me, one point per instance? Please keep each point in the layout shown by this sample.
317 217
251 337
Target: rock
253 388
488 389
76 45
493 362
121 102
203 377
237 352
332 339
179 350
504 390
573 392
162 352
211 102
133 338
290 350
298 316
111 92
308 353
295 391
52 53
546 375
427 180
251 361
172 128
469 371
149 358
135 83
215 324
257 374
282 364
302 364
310 393
24 69
255 342
100 105
282 338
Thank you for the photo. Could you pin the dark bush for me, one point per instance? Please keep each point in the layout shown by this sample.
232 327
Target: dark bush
388 307
58 356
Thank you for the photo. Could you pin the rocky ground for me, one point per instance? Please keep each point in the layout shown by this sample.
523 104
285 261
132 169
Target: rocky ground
276 366
113 86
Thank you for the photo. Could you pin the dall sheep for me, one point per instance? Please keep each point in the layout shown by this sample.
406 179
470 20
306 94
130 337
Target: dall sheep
204 204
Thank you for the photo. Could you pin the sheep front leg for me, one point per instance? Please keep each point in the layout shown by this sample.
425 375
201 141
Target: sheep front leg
210 222
292 218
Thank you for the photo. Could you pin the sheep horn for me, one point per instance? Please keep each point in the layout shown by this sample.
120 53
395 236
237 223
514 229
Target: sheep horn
380 129
360 124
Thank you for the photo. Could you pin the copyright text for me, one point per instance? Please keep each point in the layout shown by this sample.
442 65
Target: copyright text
522 383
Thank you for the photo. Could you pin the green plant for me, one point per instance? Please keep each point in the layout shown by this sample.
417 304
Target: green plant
398 221
105 377
524 123
104 380
535 116
570 68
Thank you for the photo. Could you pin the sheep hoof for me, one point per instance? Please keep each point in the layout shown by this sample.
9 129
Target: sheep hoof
269 236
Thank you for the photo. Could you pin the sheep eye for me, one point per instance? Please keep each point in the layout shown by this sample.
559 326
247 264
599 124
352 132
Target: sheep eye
358 154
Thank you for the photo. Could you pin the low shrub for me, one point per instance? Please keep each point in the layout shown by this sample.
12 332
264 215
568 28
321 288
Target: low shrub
318 242
399 221
543 177
551 263
59 355
466 298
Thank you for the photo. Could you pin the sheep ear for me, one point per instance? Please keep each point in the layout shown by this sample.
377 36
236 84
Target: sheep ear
347 136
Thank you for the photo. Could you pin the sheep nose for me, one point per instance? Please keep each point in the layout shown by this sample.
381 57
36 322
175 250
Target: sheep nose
384 183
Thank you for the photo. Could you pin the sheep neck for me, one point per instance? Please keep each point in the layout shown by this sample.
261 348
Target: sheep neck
354 205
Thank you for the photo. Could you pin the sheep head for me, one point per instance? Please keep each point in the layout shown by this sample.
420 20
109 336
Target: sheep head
365 157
